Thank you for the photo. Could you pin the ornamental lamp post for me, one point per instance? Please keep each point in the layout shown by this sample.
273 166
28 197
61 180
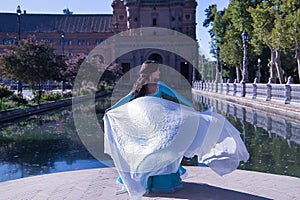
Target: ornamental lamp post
221 71
62 56
19 83
203 71
19 22
245 71
63 43
258 70
218 69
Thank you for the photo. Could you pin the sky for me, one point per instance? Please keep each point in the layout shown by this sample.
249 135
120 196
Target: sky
104 7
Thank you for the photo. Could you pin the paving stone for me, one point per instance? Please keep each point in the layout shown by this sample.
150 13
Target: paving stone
202 183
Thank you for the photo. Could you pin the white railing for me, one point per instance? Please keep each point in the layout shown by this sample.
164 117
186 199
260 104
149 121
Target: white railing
286 93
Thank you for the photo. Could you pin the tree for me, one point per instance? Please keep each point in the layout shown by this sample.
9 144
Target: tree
4 93
237 19
227 26
273 27
217 32
232 43
265 17
31 61
67 11
231 51
71 67
291 16
210 16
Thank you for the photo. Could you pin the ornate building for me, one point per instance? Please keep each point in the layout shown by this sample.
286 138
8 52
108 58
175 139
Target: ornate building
71 34
177 15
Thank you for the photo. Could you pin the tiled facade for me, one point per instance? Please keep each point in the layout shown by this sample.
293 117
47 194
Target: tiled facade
80 33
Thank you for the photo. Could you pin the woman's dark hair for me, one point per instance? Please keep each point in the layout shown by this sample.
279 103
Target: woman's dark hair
148 67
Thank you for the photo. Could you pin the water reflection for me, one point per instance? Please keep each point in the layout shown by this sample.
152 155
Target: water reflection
272 141
44 144
49 143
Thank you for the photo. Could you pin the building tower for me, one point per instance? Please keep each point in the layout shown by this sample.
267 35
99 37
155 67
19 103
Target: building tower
119 20
178 15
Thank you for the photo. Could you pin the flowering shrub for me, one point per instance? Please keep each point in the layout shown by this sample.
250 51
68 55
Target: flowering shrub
51 96
5 92
19 99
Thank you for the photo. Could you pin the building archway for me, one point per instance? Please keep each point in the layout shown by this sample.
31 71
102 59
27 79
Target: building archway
98 59
156 57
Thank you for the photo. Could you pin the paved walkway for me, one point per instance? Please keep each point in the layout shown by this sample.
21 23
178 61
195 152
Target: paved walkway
202 183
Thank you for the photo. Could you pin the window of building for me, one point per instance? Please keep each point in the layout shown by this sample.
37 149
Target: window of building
154 22
156 57
184 69
187 17
125 68
82 42
98 42
9 41
98 59
65 42
121 17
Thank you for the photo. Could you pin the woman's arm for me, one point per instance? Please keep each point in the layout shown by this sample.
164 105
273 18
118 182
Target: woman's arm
122 101
170 92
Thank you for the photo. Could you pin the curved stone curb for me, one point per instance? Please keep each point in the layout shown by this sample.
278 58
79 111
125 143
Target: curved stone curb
201 183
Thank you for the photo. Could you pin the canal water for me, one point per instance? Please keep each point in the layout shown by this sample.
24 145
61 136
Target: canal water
49 143
43 144
272 141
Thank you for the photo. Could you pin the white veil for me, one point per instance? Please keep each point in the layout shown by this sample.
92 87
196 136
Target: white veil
149 136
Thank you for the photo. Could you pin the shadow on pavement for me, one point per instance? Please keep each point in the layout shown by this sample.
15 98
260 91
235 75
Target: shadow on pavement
195 191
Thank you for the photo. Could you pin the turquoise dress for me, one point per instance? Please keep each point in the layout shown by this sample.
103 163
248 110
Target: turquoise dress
147 138
162 91
160 183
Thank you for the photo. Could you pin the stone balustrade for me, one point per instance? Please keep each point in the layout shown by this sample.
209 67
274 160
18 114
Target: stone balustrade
286 93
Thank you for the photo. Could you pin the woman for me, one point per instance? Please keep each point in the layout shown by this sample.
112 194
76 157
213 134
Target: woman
147 85
147 136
